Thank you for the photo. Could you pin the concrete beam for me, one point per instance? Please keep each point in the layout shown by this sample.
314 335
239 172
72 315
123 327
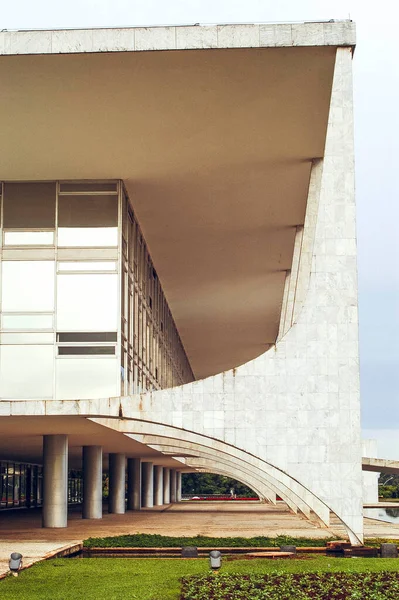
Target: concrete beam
380 465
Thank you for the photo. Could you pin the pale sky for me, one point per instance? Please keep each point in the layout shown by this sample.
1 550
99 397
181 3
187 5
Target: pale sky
376 94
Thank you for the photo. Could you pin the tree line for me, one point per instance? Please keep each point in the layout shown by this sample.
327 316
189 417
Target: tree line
208 484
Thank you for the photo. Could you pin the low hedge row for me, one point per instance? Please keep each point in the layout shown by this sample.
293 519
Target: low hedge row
146 540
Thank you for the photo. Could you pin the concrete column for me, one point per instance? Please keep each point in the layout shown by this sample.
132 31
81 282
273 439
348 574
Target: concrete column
178 486
117 478
133 483
148 484
55 481
173 485
166 486
92 457
158 485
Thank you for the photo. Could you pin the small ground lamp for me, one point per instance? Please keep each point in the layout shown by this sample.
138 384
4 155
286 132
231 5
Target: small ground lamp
215 560
15 563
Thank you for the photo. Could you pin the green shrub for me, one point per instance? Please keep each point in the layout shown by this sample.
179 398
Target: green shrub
146 540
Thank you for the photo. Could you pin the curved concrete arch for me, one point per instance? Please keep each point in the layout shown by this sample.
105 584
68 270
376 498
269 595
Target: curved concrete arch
232 469
285 486
294 502
209 465
292 491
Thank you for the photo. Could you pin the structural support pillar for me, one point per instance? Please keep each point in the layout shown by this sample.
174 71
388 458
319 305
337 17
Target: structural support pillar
166 486
173 485
178 486
134 483
117 479
92 457
158 485
55 481
148 484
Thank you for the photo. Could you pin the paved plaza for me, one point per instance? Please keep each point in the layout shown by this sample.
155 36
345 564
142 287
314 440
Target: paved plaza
21 531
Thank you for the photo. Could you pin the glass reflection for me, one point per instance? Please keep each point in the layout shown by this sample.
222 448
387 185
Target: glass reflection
29 205
87 302
26 372
86 378
83 237
27 321
28 238
87 266
27 286
27 338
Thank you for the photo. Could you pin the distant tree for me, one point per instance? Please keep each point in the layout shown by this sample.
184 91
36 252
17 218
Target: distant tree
197 484
386 478
388 486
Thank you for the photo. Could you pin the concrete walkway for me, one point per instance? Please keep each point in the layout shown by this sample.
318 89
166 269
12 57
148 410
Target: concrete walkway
21 531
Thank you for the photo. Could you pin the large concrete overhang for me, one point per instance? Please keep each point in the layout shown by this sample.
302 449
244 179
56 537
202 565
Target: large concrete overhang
214 144
80 431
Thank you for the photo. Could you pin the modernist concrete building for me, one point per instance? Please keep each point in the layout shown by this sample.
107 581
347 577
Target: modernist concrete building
178 265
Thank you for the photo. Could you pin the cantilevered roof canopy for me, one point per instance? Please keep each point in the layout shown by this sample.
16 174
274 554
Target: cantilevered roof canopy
215 147
80 431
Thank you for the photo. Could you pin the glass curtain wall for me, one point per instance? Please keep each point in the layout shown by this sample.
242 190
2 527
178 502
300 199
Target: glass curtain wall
152 354
83 314
21 485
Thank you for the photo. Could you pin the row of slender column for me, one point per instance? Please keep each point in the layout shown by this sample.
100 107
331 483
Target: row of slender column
147 485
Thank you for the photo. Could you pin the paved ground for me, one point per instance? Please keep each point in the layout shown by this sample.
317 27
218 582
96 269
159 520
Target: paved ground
21 530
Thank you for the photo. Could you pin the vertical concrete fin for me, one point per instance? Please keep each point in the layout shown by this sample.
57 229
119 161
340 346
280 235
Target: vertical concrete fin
298 278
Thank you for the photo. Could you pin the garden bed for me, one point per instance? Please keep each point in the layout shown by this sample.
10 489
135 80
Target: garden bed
145 540
286 586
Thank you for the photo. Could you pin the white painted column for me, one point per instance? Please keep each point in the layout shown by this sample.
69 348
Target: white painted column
117 479
148 484
173 485
158 485
55 481
92 457
178 486
134 483
166 485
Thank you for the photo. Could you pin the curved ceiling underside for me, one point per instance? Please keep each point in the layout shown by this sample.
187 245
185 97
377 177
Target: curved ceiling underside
215 148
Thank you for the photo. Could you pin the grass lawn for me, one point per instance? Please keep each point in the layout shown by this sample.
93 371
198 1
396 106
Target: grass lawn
153 579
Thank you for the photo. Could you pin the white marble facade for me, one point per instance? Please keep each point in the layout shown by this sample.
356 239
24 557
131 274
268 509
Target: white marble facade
296 407
288 422
68 41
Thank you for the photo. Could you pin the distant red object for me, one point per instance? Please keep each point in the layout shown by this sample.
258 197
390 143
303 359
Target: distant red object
221 498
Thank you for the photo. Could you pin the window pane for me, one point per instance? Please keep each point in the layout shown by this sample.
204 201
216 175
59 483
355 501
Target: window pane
88 211
86 378
92 336
82 350
28 286
26 372
88 301
93 186
27 338
28 238
27 321
88 236
87 266
29 205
